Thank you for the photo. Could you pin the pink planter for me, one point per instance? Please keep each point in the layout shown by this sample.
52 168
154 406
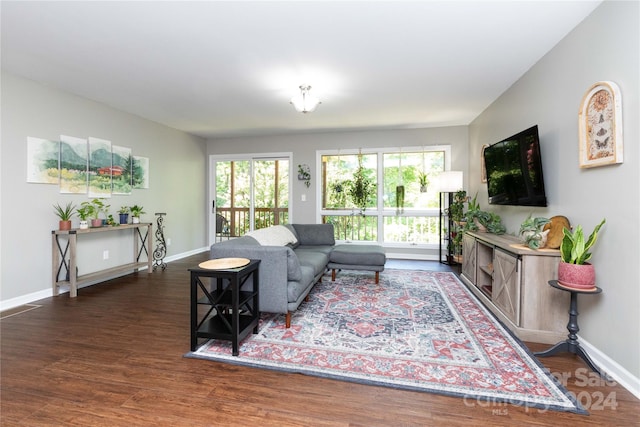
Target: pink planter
577 276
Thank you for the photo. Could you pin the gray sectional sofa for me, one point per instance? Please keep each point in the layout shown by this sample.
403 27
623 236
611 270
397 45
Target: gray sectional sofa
294 257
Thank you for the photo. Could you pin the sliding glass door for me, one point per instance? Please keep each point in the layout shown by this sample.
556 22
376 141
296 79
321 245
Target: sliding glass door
249 194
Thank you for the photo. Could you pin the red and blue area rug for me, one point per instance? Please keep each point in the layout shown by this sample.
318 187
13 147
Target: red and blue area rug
417 330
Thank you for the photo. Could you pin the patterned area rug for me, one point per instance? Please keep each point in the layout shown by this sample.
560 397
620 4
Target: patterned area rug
417 330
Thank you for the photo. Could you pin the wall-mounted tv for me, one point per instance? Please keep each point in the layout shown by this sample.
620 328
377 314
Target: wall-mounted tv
514 170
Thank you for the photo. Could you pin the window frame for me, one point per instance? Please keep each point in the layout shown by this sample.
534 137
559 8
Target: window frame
379 211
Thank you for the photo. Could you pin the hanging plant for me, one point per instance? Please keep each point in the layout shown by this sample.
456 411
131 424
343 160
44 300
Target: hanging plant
399 199
400 188
361 188
304 174
424 182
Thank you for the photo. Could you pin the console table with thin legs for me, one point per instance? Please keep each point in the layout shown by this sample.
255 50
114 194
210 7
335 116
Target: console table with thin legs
571 344
65 246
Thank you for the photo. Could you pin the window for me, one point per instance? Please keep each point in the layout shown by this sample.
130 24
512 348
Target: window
396 209
252 194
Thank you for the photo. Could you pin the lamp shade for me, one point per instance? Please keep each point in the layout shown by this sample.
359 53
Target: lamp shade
450 181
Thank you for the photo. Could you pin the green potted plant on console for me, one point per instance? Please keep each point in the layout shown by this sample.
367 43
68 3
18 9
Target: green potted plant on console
574 271
124 214
65 214
136 211
531 232
84 212
479 220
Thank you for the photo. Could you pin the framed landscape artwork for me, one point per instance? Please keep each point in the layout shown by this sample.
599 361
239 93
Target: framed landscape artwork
122 161
73 165
600 126
140 172
91 166
100 168
42 161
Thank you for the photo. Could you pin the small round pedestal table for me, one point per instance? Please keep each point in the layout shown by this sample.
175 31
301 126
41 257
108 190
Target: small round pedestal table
571 344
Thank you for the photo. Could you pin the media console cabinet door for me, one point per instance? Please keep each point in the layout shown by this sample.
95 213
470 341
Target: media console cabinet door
506 285
544 308
469 257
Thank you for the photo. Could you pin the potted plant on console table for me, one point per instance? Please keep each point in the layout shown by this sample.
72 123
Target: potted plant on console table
65 214
136 211
574 271
124 214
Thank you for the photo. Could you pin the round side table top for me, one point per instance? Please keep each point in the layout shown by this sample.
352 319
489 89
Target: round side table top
558 285
224 263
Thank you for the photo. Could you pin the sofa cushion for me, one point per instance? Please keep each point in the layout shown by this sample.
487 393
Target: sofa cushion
293 266
317 260
277 235
315 234
358 255
293 231
240 241
295 288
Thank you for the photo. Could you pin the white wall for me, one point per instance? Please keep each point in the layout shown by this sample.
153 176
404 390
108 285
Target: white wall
604 47
304 147
177 187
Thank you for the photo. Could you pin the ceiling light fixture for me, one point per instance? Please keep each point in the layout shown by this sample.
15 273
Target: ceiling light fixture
305 102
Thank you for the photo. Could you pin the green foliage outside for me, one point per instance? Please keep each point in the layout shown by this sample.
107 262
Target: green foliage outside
270 193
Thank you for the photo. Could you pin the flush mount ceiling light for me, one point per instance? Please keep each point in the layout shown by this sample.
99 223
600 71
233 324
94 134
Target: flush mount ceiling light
305 102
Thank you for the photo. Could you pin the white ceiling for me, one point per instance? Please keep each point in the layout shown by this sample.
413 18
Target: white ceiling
229 68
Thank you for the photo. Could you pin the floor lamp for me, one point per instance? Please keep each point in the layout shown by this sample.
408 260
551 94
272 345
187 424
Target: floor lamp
449 182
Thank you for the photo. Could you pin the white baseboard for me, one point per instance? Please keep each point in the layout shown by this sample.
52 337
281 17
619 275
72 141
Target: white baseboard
612 368
48 292
25 299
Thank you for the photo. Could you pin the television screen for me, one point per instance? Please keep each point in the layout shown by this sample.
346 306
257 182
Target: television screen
514 170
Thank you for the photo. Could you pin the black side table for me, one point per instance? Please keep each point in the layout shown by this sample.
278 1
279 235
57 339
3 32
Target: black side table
233 312
571 344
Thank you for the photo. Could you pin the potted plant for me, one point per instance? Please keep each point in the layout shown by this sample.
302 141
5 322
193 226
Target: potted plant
399 199
91 213
110 221
99 207
84 212
574 271
136 211
361 187
424 182
304 174
456 209
479 220
455 212
124 214
65 214
532 232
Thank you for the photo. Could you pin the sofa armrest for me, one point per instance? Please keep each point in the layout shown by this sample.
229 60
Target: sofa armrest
273 271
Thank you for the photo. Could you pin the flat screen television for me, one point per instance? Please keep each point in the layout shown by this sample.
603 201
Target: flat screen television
514 170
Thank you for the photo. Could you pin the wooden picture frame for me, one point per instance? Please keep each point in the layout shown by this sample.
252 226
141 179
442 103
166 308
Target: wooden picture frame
600 126
483 167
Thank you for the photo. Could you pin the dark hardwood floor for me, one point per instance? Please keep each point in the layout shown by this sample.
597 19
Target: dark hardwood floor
114 357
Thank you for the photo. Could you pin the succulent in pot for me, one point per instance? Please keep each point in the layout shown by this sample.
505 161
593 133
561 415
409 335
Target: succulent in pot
65 213
574 271
532 232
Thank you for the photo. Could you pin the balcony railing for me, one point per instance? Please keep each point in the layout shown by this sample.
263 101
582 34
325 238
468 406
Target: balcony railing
238 218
